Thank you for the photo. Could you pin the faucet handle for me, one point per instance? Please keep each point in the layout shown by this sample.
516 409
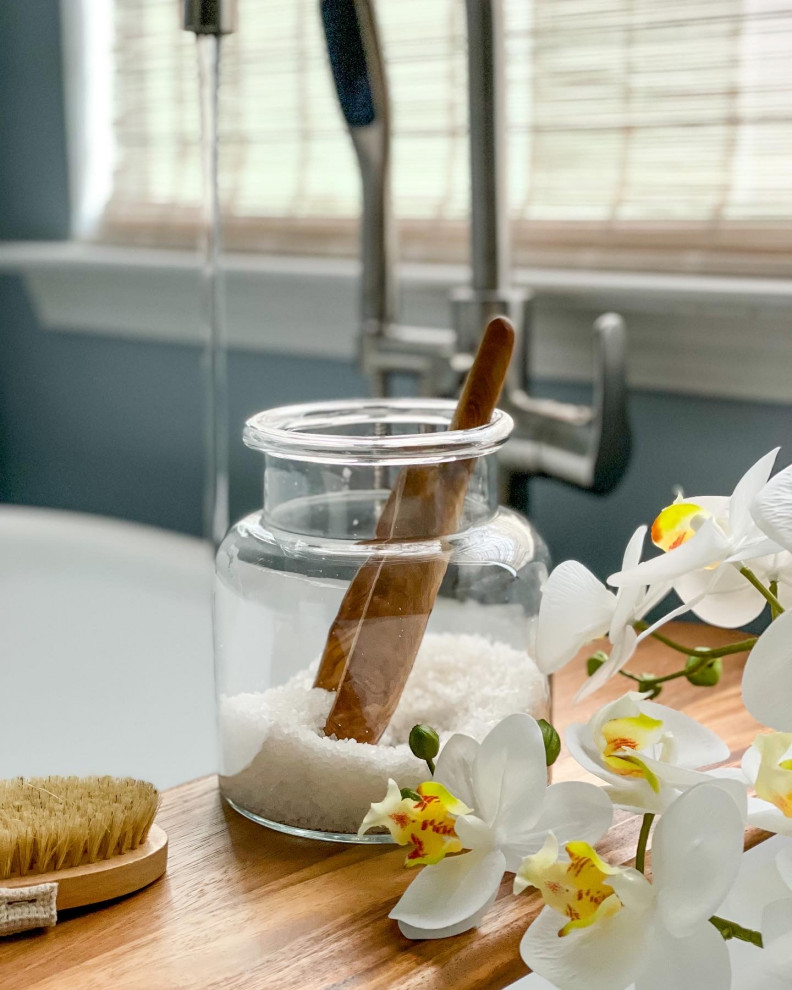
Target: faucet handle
588 446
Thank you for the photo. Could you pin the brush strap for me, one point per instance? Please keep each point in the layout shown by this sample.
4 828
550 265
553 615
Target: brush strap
23 908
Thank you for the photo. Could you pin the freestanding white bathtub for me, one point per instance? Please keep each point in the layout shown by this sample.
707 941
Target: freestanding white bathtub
105 648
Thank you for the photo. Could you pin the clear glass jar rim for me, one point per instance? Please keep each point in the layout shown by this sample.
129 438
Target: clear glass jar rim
286 432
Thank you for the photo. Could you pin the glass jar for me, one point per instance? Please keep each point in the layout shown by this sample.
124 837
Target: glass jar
283 571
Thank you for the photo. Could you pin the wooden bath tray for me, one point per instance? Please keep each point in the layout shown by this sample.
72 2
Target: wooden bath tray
243 908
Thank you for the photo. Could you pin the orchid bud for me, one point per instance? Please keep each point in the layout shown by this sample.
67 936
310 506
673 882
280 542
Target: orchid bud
425 744
595 661
650 688
552 741
706 676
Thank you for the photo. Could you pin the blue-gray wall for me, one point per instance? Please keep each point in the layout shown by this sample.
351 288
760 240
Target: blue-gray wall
109 426
33 177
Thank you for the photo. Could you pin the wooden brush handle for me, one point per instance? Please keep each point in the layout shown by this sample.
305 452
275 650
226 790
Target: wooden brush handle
373 642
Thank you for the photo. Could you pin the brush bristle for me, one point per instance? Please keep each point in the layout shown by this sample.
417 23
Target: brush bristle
53 823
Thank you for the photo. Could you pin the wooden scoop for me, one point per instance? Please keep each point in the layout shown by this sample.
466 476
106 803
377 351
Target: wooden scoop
374 640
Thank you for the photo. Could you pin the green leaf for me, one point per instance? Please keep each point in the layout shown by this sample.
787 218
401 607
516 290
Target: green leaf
552 741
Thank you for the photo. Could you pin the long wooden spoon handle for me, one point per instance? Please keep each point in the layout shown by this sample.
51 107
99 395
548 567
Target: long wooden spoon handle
424 500
372 644
484 382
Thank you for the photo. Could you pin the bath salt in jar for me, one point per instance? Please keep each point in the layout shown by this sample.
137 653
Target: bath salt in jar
333 473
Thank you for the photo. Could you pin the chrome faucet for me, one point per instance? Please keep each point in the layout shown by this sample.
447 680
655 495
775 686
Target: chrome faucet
587 446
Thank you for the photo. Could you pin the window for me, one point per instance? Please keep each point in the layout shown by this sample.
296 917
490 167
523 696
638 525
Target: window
641 134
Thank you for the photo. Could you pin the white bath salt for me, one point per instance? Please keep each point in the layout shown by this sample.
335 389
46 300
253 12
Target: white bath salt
279 765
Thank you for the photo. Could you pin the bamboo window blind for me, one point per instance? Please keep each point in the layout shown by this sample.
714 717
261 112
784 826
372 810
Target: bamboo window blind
640 134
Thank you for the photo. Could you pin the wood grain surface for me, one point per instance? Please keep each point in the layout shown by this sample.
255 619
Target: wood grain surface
243 908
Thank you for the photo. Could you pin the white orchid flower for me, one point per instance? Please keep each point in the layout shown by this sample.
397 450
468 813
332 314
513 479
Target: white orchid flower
767 767
729 600
772 508
576 608
423 819
646 753
715 593
719 594
777 930
606 928
767 677
699 535
761 900
504 779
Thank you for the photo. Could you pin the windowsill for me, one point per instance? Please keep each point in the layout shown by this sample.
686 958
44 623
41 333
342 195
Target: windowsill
692 334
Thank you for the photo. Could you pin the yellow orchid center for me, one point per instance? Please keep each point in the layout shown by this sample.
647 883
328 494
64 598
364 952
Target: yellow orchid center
426 824
623 737
577 889
674 526
774 779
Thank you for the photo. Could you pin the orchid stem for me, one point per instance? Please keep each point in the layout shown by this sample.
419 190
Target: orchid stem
730 929
711 653
431 764
702 660
643 838
774 613
741 646
703 655
775 605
